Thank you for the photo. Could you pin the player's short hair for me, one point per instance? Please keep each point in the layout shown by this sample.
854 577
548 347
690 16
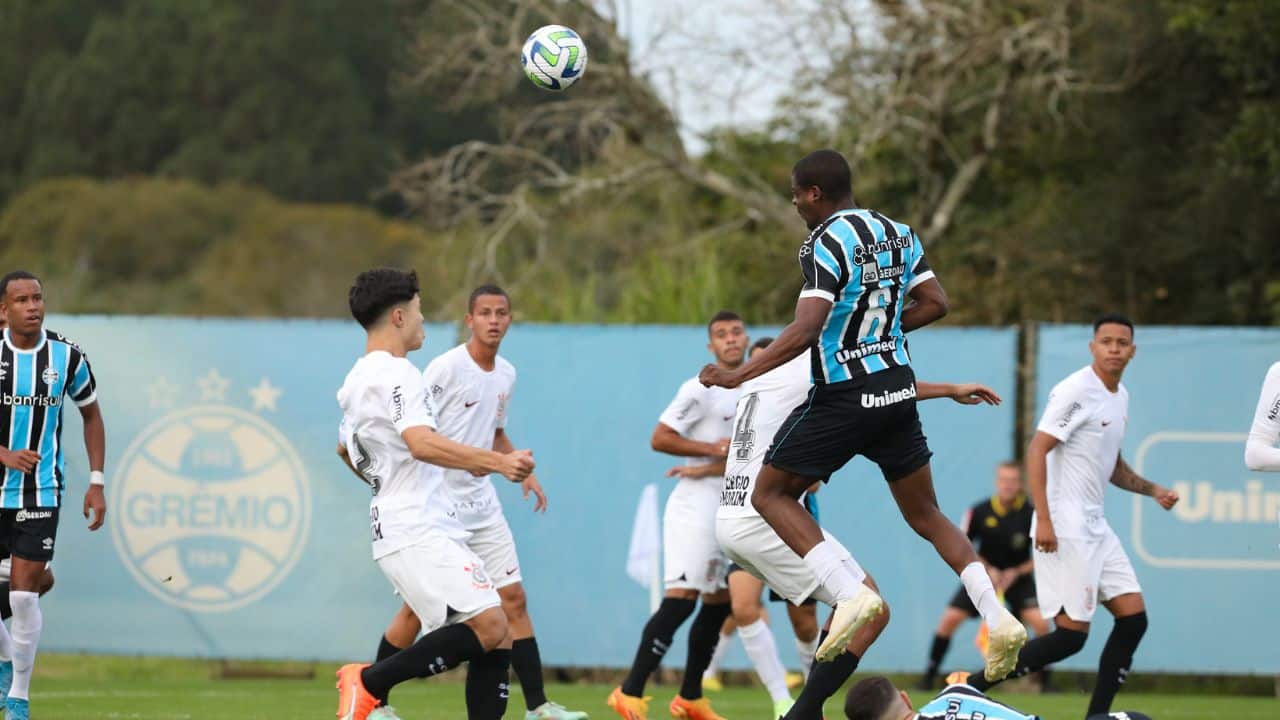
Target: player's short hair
486 290
377 291
722 316
761 344
869 699
14 275
828 171
1112 319
1011 464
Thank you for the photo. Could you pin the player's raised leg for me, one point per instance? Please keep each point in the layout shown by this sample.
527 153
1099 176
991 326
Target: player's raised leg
916 500
776 498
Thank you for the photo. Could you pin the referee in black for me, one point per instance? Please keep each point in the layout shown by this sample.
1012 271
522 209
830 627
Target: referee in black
1000 527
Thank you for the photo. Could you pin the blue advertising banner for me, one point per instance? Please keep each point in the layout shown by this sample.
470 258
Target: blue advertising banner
1192 393
235 531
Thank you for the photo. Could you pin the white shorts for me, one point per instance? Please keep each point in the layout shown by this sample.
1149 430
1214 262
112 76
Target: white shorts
753 545
441 580
497 548
691 557
1081 574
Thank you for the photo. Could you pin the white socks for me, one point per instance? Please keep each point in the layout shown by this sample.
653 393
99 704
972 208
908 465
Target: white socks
839 573
27 622
978 584
807 650
757 638
722 647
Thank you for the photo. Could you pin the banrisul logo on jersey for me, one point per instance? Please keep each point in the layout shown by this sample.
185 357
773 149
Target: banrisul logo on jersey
213 504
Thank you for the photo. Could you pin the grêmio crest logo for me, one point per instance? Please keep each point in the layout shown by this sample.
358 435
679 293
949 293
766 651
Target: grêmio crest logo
214 502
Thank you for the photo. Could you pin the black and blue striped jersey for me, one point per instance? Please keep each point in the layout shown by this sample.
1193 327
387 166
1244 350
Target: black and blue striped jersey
961 702
32 385
865 264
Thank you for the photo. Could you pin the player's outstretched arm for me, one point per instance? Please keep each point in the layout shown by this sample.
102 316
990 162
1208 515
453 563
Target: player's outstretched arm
800 335
1125 478
95 445
1046 540
429 446
665 439
928 304
963 393
697 472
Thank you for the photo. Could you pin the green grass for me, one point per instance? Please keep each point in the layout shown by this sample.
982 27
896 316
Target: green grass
72 687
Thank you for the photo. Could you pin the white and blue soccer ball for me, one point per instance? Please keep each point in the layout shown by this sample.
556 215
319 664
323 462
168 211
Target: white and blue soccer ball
554 57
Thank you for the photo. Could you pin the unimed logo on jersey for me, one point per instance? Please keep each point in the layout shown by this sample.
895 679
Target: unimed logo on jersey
213 504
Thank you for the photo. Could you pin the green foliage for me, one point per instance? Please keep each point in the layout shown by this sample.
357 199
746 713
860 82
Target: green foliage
1160 197
178 247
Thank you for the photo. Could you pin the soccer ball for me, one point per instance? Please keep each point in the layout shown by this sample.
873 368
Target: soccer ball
554 57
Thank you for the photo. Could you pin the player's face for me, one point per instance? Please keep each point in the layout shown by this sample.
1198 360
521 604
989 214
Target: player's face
489 319
805 199
410 323
1112 347
23 306
728 342
1008 483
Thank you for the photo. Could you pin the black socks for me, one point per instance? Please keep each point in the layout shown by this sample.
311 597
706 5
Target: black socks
527 663
655 641
703 636
1117 656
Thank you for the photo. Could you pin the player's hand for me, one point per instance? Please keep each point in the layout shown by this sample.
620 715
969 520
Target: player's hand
1046 538
973 394
1166 497
95 500
531 485
517 465
719 377
721 447
22 460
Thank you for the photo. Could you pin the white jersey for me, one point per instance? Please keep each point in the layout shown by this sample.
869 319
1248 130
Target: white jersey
1260 451
382 397
1089 422
765 403
704 414
471 405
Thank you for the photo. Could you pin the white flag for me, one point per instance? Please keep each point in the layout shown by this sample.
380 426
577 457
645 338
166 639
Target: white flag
646 538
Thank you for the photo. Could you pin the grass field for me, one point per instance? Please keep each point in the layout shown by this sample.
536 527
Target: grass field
70 687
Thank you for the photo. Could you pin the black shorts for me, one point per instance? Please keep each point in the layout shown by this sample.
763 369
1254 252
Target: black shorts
29 533
873 416
1020 596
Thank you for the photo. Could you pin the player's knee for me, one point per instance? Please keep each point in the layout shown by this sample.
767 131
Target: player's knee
490 628
1070 642
514 601
745 611
46 581
1133 627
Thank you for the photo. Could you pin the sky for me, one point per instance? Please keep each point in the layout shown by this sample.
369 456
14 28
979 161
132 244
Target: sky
715 62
